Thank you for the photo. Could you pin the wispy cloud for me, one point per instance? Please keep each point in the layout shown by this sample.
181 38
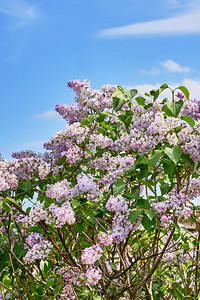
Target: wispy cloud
169 66
47 115
19 13
174 67
187 23
19 9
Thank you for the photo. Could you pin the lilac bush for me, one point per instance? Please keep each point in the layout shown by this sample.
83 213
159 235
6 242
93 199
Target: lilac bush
109 199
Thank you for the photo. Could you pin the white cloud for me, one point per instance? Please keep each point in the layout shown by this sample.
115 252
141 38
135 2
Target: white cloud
19 9
192 85
47 115
187 23
174 67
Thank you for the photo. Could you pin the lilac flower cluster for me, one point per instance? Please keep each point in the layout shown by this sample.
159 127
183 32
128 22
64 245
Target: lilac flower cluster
99 140
137 141
71 275
105 239
61 215
93 275
112 163
162 125
33 239
65 139
8 180
67 293
121 225
29 167
87 100
189 140
86 185
41 250
61 191
75 154
190 108
91 254
194 189
173 257
24 153
72 113
39 213
173 205
116 166
117 204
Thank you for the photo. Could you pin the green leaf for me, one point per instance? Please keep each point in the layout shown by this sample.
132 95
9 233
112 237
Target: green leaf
11 200
189 120
187 159
92 117
178 295
164 188
133 93
185 91
112 265
172 108
135 195
133 215
85 122
159 91
140 101
118 92
2 239
148 106
50 282
75 203
143 203
118 103
26 186
101 118
105 125
149 184
107 113
173 153
61 162
99 213
96 297
155 156
143 171
169 167
148 224
119 98
126 117
78 227
89 215
57 289
118 187
150 213
7 207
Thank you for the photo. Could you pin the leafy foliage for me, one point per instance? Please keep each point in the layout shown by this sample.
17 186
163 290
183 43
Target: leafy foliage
107 202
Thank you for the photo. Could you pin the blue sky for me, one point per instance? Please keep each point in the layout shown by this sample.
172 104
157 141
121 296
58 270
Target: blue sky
133 43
